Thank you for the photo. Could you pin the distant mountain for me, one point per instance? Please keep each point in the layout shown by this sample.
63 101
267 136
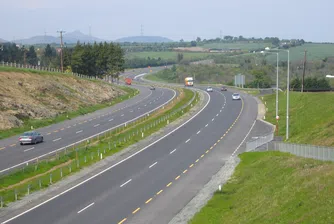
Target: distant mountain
144 39
70 38
3 41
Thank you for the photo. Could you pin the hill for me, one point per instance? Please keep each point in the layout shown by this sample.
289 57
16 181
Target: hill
3 41
69 38
144 39
31 98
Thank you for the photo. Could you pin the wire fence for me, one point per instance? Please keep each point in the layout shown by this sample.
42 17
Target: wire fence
43 173
47 69
266 143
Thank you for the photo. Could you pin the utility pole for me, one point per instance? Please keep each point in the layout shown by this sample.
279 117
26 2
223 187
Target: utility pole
61 49
304 67
220 41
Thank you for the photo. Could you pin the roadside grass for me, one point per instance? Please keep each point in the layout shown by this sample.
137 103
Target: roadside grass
38 123
40 175
311 117
155 78
34 71
273 187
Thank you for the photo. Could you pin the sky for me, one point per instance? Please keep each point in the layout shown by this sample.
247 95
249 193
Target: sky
174 19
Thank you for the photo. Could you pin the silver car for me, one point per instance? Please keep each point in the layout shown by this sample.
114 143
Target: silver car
236 96
30 137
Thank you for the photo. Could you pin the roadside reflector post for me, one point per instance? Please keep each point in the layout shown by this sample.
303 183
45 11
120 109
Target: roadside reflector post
142 134
167 121
101 156
220 187
28 189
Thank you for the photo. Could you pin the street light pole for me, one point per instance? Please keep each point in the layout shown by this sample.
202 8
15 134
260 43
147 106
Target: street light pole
277 93
287 97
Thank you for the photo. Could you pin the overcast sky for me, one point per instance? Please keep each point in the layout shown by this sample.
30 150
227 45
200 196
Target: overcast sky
175 19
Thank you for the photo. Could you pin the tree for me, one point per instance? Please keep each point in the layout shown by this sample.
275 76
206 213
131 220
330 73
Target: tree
179 57
193 43
198 39
32 56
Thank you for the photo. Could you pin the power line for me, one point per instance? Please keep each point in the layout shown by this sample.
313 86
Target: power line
61 49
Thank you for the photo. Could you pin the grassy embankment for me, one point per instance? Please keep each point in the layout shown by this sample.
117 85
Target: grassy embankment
273 187
36 177
311 117
38 123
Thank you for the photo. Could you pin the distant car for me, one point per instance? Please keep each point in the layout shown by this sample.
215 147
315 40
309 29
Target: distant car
30 137
223 88
152 88
236 96
209 89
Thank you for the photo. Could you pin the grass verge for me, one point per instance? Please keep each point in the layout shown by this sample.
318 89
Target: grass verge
273 187
311 117
38 123
43 174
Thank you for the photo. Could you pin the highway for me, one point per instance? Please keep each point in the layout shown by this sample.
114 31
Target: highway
65 133
125 189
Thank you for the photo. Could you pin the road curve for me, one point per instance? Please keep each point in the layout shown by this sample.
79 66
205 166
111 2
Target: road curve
65 133
122 191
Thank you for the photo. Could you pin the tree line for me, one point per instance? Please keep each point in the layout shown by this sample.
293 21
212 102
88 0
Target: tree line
87 59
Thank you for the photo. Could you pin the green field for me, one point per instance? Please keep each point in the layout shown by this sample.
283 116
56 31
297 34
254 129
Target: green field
242 46
273 187
311 117
165 55
314 52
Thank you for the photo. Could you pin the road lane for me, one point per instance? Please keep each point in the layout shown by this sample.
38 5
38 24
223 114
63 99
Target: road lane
70 132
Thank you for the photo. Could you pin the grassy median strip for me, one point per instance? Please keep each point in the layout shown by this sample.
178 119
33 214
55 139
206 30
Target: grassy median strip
37 123
44 173
273 187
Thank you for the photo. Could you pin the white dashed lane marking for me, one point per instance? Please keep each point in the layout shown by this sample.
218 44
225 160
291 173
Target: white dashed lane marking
96 125
126 183
79 131
57 139
153 165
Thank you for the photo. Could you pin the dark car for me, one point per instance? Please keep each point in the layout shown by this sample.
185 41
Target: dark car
223 88
30 137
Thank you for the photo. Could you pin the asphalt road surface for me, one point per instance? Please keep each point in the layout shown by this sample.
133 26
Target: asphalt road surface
125 189
60 135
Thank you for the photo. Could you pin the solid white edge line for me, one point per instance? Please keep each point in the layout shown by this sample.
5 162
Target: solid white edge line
153 165
126 183
172 151
26 150
86 207
188 140
116 164
57 139
78 132
244 139
38 157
